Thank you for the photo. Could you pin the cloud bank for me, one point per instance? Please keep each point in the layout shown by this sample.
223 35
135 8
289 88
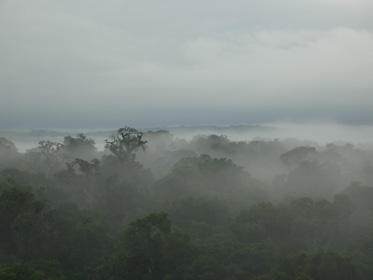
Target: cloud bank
70 64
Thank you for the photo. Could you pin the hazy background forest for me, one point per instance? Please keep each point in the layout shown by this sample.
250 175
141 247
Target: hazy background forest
154 206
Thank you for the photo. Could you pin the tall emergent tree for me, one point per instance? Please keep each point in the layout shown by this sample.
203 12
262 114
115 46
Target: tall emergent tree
125 142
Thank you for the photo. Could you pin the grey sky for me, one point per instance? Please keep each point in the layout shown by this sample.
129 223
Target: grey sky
109 63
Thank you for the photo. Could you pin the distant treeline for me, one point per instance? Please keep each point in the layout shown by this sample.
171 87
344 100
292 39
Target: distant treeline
152 206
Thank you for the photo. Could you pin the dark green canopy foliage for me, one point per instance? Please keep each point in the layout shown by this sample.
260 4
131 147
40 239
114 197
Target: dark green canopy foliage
210 177
9 156
216 209
79 147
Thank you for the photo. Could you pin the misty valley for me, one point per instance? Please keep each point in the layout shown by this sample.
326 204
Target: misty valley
148 204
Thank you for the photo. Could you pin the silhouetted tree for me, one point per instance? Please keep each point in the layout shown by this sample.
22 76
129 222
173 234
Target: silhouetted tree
124 143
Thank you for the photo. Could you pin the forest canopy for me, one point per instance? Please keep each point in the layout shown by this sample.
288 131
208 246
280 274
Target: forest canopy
152 206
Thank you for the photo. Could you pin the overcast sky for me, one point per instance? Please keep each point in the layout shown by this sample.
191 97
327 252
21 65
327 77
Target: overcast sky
143 63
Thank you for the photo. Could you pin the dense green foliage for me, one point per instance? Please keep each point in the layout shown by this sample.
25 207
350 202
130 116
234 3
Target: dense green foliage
207 208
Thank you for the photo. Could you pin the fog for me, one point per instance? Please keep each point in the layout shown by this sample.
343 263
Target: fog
186 140
314 133
192 189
